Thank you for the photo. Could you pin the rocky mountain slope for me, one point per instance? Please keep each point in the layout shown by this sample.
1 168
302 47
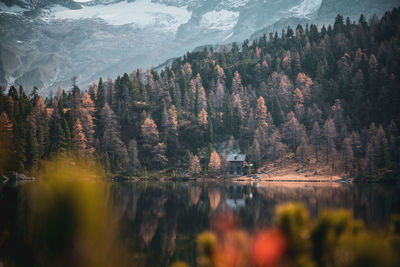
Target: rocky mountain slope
46 42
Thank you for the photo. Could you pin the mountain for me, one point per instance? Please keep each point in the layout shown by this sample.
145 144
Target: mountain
327 10
47 42
354 8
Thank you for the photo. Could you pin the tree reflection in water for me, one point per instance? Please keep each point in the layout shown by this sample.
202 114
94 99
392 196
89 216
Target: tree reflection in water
169 215
158 222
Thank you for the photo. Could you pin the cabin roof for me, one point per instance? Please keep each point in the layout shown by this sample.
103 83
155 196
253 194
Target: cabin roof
236 157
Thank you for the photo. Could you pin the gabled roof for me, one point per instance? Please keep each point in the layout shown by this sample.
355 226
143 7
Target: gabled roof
236 157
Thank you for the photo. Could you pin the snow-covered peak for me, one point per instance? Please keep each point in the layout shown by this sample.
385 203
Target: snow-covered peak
141 13
305 9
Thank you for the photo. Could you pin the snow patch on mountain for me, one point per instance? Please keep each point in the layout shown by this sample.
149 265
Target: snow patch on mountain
222 20
141 13
305 9
15 10
233 3
227 37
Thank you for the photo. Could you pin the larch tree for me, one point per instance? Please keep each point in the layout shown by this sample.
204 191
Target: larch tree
150 132
88 128
202 118
261 112
190 97
304 83
172 121
187 71
214 166
195 167
88 103
201 98
237 87
79 140
237 107
219 95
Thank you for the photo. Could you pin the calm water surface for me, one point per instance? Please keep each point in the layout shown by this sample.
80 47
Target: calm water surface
159 221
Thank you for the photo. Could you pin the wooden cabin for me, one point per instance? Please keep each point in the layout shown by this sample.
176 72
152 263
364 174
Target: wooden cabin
238 164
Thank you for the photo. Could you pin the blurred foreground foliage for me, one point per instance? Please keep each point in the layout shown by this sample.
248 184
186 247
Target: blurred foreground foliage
334 238
69 219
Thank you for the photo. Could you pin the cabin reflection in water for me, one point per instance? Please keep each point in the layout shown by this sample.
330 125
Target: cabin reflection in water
237 197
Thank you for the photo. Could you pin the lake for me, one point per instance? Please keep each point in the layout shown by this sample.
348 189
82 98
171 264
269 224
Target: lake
158 221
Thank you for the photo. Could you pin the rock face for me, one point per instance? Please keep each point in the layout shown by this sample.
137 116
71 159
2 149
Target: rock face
45 43
327 11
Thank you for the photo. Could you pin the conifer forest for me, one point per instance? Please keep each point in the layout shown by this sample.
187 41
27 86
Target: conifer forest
328 96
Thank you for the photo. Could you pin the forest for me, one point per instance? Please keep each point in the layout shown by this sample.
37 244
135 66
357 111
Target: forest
325 96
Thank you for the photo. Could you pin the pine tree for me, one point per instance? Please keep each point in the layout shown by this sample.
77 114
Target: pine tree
6 147
275 146
329 132
32 146
316 141
111 141
159 160
134 162
293 131
348 155
256 151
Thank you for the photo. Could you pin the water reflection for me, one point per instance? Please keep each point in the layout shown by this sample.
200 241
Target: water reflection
158 221
162 219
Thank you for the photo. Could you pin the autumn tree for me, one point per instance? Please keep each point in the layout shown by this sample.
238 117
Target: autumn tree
261 112
150 132
79 140
214 165
195 167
